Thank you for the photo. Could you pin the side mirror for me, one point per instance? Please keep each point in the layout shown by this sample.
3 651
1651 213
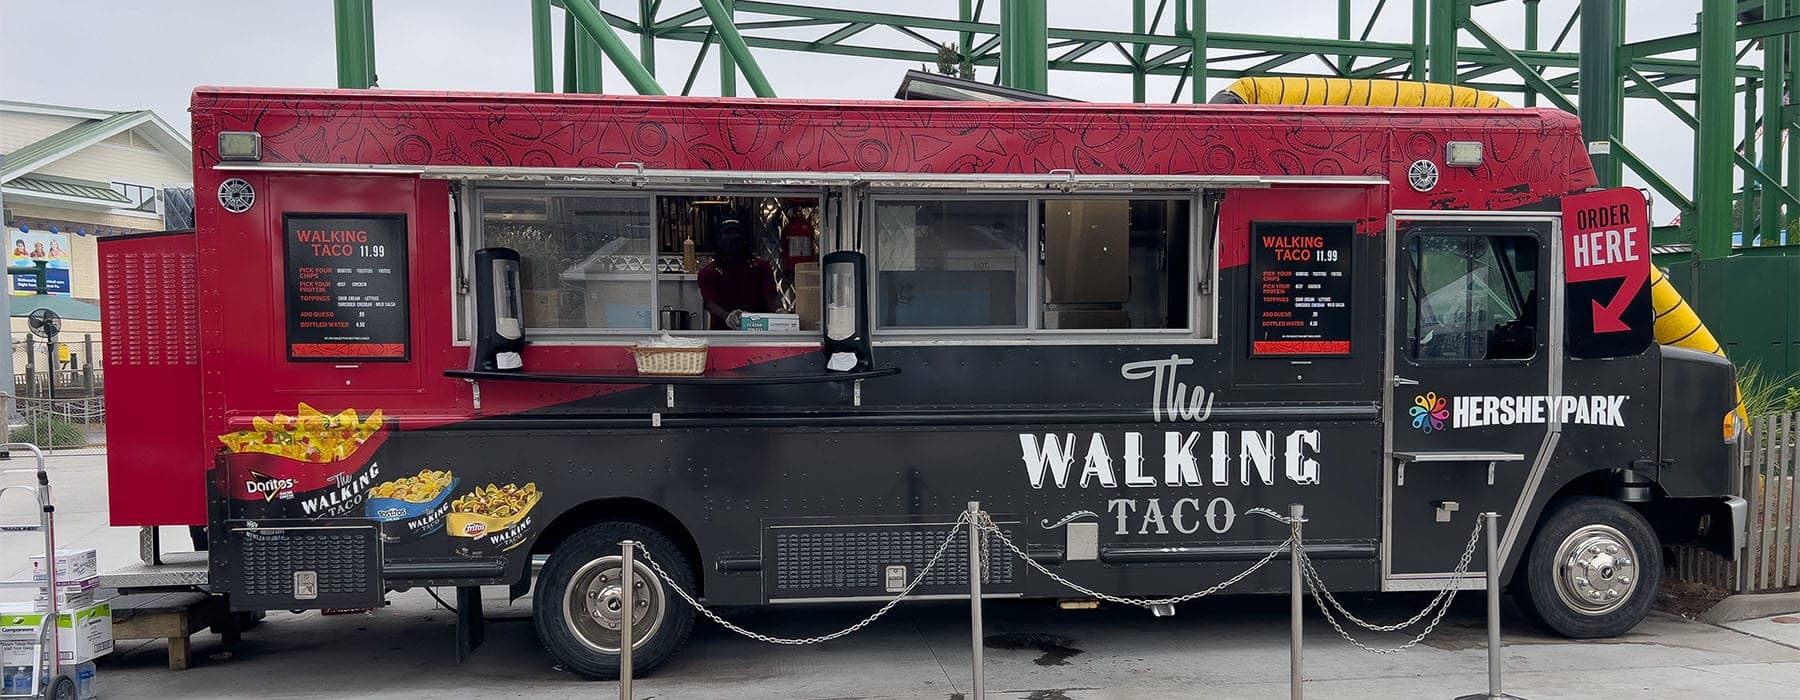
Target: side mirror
846 323
499 310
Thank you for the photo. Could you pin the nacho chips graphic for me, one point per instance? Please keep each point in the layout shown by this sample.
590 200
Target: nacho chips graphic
309 437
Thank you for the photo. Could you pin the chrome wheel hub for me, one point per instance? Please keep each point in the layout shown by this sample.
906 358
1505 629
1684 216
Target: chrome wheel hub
594 604
1597 570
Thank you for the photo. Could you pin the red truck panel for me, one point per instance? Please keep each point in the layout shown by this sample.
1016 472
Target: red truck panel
156 453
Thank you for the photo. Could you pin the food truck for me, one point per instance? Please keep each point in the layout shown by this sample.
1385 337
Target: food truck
402 345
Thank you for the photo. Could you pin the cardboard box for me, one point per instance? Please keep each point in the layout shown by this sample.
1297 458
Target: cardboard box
83 634
71 565
769 322
67 597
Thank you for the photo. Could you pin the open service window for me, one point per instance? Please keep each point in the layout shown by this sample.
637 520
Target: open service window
1061 264
734 263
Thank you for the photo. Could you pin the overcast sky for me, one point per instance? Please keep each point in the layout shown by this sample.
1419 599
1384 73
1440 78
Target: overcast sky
134 54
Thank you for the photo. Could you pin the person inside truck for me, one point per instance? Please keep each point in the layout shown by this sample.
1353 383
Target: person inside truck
736 281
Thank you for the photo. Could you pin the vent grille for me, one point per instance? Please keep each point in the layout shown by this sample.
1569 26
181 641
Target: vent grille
152 307
341 561
852 560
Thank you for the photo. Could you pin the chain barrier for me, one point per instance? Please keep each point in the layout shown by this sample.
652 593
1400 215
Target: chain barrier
955 530
987 525
1315 584
1441 602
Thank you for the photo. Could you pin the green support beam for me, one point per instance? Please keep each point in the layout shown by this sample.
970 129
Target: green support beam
1688 42
1531 44
1137 50
734 45
591 77
1421 33
1441 44
596 27
355 43
1787 121
728 70
1198 35
543 61
1345 62
571 62
1600 85
1769 222
1024 43
647 33
1747 150
1712 164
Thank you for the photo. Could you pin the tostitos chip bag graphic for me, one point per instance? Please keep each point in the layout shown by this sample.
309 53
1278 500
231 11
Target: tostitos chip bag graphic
311 436
411 507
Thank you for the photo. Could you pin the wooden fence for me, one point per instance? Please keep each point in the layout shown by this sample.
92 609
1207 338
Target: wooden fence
1765 477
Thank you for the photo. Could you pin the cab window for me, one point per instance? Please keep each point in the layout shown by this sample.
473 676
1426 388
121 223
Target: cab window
1472 297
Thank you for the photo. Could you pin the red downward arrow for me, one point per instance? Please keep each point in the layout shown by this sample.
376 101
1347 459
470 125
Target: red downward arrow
1607 318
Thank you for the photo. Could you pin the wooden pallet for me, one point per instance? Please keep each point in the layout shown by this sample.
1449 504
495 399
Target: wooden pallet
173 616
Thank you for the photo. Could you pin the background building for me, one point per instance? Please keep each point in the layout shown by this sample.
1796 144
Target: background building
69 176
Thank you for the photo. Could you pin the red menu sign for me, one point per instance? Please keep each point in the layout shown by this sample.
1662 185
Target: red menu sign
346 287
1301 299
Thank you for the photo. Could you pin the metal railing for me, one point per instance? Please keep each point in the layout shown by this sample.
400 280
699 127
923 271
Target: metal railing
975 525
1768 459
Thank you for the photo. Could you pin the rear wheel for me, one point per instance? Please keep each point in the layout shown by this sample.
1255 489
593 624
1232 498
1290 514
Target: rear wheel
578 607
1593 569
62 687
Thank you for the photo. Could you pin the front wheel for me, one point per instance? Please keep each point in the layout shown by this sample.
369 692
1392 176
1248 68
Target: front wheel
578 608
1593 569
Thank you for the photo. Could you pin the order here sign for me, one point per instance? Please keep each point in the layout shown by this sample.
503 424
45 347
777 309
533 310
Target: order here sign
1606 266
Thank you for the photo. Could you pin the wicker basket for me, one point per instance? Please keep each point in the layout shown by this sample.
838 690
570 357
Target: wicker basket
670 361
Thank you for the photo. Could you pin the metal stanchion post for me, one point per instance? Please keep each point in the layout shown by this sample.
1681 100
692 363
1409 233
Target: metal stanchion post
1296 607
976 537
627 579
1491 531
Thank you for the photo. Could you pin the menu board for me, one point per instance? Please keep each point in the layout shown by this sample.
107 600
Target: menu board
346 287
1300 303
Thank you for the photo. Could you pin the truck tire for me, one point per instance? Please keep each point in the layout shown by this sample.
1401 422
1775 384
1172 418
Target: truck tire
575 606
1593 569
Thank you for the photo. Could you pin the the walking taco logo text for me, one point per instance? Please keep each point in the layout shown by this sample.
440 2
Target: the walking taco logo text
1431 412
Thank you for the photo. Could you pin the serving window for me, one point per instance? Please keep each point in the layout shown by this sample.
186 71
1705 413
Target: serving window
600 262
1012 264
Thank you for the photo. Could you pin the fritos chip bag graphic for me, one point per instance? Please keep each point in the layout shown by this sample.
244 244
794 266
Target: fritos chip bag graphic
493 518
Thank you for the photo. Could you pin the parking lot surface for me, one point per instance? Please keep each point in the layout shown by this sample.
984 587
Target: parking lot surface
1230 647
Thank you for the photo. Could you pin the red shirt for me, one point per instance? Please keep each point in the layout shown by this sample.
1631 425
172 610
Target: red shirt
746 287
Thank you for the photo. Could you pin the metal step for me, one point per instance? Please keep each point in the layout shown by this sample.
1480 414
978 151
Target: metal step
183 570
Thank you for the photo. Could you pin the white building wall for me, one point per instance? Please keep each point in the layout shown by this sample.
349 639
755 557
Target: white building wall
18 129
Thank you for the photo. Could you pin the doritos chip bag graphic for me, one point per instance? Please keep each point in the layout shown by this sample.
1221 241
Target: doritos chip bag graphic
311 465
309 437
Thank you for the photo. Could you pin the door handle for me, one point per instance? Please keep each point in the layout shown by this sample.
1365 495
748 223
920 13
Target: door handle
1403 381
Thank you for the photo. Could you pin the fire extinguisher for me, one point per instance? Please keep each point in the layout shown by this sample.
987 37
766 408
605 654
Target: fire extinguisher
798 243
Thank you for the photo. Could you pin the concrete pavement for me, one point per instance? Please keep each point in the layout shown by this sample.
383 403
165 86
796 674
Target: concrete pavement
1232 647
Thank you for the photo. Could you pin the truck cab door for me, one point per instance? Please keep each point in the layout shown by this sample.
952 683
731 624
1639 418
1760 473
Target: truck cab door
1473 366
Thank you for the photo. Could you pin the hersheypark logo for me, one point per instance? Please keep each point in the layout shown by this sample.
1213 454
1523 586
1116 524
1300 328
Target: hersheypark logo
1431 412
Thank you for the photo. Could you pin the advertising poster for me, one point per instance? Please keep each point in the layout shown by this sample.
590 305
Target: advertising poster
27 248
